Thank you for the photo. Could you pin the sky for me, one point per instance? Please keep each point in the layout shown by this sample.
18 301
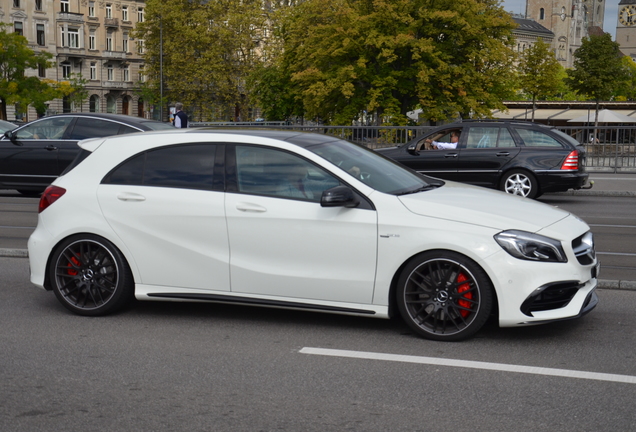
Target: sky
611 13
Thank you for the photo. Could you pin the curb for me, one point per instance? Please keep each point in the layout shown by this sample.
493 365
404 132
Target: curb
602 283
590 192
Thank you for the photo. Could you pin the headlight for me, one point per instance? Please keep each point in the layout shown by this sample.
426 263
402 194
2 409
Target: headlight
529 246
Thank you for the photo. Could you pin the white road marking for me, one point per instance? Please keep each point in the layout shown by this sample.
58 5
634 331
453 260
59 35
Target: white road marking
565 373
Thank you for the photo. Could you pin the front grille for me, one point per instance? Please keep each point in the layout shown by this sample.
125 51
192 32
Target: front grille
584 248
552 296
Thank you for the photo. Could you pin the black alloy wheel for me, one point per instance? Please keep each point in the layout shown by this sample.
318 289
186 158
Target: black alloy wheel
90 276
444 296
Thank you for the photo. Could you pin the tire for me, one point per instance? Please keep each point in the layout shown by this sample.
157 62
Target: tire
444 296
90 276
520 182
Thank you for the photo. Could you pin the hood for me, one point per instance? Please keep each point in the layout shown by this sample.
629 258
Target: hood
485 207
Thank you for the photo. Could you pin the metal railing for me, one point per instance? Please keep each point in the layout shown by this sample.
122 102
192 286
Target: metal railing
613 149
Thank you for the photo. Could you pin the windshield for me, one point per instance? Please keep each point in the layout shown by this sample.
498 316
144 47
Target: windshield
373 169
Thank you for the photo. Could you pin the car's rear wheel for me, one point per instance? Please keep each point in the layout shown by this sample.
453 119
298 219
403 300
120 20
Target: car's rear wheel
520 182
444 296
90 276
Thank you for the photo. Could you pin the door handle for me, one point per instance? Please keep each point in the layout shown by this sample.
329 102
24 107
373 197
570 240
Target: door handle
50 147
128 196
249 207
450 155
503 154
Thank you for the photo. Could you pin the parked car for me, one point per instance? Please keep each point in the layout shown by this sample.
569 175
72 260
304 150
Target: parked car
520 158
33 155
6 126
302 221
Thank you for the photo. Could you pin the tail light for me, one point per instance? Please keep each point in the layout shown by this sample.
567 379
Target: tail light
572 161
50 195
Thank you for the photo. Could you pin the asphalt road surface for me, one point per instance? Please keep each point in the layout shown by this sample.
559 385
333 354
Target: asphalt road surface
210 367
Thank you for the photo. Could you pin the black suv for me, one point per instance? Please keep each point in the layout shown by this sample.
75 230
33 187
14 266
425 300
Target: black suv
519 158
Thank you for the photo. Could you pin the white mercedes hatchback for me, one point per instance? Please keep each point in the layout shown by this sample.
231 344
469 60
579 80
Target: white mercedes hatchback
307 222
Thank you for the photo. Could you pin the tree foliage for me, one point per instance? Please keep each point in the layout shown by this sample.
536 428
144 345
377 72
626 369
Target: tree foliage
15 58
598 69
539 72
204 51
344 57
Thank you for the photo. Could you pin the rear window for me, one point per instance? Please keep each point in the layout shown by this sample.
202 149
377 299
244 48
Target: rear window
155 125
534 138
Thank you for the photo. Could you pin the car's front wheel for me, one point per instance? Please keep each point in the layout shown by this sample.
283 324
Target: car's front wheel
90 276
520 182
444 296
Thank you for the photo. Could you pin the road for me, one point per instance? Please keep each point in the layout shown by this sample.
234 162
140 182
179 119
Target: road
203 367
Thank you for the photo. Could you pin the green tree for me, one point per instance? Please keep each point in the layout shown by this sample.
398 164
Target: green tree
78 93
204 52
627 90
598 69
15 58
392 56
539 73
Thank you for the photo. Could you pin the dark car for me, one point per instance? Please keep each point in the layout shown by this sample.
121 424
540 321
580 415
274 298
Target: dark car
33 155
520 158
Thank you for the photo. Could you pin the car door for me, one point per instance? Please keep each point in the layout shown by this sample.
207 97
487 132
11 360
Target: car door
30 158
167 207
437 163
485 153
284 244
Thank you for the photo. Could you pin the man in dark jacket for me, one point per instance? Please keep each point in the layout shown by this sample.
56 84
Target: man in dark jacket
180 118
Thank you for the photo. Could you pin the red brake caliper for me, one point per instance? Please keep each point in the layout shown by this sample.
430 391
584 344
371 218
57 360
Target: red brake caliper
468 296
71 271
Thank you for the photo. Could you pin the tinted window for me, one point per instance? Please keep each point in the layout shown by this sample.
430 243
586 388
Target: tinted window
94 128
489 137
155 125
51 128
123 129
265 171
533 138
185 166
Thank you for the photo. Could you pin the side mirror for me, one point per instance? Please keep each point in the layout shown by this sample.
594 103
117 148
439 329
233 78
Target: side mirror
11 136
412 149
339 196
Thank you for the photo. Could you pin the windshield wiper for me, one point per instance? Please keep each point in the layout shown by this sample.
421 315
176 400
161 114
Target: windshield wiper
422 189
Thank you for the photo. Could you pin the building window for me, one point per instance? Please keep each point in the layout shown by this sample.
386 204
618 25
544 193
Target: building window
65 6
17 27
93 103
124 13
542 14
111 104
72 37
91 9
110 73
93 71
66 70
109 10
91 40
38 5
140 14
41 71
141 77
67 106
127 74
140 46
109 41
125 42
16 3
39 29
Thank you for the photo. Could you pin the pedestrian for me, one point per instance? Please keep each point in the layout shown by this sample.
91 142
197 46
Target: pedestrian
180 118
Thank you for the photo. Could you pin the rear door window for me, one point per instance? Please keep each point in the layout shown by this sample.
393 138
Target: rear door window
95 128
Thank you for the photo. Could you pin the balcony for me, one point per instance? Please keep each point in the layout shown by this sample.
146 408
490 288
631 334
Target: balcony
71 52
116 84
70 17
111 22
114 54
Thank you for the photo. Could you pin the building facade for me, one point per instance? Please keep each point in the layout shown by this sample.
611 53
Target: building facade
570 21
626 27
88 38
